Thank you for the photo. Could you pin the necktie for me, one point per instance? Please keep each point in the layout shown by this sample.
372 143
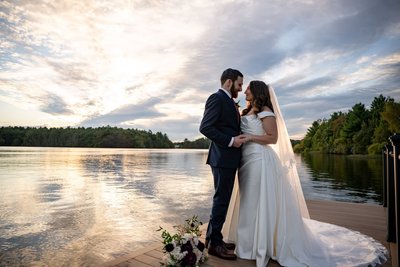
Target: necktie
236 109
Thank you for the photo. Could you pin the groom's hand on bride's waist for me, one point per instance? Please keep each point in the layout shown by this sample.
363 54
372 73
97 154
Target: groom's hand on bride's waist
238 141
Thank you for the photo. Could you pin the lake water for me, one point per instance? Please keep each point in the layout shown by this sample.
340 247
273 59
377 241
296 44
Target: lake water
85 206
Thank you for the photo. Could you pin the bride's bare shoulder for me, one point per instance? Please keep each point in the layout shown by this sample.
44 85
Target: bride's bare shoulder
265 108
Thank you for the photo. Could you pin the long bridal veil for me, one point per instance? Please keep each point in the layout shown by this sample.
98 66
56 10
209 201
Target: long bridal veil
284 149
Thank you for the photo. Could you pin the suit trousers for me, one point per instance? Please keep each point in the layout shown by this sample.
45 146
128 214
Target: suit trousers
224 179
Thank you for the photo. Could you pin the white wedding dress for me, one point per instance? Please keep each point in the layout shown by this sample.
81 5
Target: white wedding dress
268 218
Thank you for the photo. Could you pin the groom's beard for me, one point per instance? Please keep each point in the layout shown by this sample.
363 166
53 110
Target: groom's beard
234 93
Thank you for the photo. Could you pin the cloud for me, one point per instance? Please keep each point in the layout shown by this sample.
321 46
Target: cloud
357 25
119 116
54 104
179 114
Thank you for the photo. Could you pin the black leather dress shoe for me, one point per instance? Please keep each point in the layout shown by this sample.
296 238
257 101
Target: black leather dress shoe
229 246
221 252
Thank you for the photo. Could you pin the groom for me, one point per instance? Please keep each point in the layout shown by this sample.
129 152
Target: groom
221 124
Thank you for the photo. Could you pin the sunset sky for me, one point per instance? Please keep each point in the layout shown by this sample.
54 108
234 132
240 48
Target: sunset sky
152 64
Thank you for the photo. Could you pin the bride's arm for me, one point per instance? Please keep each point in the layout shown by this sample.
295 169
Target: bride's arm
271 132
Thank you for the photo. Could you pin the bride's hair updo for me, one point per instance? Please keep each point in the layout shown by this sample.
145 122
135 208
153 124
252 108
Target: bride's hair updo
261 97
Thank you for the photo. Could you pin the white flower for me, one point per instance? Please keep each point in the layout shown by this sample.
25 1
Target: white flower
168 260
196 240
186 237
177 254
199 255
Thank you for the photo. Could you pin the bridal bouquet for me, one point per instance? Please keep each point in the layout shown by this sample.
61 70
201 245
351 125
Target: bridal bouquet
184 248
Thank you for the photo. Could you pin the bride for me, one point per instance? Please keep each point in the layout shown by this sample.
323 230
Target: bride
268 216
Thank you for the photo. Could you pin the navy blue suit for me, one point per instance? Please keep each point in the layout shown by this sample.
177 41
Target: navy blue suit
221 122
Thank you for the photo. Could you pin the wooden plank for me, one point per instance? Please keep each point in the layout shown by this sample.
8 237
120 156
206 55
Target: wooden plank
155 254
393 249
365 218
133 263
160 249
217 262
148 260
133 254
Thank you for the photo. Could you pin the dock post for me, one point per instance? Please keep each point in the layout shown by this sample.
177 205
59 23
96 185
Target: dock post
395 140
390 191
385 155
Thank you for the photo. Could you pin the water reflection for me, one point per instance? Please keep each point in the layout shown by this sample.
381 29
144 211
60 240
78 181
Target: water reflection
342 178
76 206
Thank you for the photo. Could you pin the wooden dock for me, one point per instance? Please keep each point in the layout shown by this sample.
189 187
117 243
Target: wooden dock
365 218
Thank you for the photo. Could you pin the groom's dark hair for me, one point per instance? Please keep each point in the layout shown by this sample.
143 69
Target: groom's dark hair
230 74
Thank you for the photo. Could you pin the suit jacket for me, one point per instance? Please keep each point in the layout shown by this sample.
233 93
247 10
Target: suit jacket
220 123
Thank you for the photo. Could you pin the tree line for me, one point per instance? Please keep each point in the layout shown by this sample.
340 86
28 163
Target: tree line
358 131
200 143
107 137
